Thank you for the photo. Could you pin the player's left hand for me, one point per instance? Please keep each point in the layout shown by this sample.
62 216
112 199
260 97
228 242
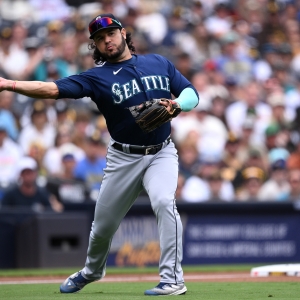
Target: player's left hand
169 104
151 114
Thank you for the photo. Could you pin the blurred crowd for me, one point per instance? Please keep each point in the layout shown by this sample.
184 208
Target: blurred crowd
241 143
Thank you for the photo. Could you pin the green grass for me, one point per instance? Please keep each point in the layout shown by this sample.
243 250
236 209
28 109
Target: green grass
118 270
131 291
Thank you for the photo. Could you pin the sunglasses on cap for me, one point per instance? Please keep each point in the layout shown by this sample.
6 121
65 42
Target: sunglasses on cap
101 23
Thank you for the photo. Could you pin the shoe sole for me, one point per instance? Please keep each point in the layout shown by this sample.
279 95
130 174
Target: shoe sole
63 292
180 292
70 292
176 293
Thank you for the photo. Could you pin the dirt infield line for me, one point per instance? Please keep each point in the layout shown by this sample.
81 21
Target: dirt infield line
197 277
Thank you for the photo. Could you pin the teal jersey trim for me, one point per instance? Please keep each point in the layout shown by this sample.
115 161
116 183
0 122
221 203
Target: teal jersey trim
187 99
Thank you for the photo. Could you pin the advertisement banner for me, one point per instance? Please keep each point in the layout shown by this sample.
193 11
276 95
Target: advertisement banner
244 239
211 240
135 243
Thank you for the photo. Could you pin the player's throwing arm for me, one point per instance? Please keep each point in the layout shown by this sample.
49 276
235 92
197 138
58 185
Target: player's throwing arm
33 89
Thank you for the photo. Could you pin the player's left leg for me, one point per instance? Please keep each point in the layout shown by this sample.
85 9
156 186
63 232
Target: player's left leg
160 182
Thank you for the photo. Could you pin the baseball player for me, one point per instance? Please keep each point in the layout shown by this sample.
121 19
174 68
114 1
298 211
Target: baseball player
136 159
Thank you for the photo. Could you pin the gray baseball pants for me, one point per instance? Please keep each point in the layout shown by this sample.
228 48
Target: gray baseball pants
124 178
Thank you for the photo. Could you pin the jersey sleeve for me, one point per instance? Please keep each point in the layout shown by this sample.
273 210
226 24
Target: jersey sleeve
177 81
76 86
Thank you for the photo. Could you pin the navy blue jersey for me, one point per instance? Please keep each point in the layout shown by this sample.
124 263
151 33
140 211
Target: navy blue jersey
116 86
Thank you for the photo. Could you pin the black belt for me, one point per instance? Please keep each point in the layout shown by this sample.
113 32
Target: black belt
144 150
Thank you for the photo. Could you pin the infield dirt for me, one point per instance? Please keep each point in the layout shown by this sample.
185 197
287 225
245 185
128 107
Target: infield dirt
189 277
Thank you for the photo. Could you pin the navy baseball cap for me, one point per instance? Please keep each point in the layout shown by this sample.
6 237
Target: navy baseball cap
279 164
103 21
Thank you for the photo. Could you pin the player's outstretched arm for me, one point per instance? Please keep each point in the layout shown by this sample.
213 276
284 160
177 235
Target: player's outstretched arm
33 89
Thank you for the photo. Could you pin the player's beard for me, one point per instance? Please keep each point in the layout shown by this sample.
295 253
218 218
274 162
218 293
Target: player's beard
117 54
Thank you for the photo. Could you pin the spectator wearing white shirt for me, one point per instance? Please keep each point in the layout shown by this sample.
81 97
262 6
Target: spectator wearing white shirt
250 106
39 132
45 10
13 60
212 131
220 21
207 184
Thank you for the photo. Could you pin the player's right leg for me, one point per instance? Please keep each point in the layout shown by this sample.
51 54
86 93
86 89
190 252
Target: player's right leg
120 186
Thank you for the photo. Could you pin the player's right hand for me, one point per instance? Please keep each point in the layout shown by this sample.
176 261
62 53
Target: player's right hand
4 84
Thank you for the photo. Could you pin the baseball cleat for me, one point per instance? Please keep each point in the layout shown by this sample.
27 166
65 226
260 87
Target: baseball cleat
167 289
74 283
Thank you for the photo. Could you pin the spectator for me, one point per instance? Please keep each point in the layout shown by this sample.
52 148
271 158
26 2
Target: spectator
293 161
63 145
85 60
231 62
203 43
271 136
53 66
35 51
247 140
53 10
232 155
64 115
209 128
295 131
272 29
7 118
207 184
184 65
10 154
202 84
19 34
250 106
195 190
64 186
90 169
188 158
233 159
55 30
69 56
212 131
294 181
279 111
255 159
276 188
81 125
80 34
13 60
157 31
220 22
218 108
27 194
40 132
217 188
253 179
49 108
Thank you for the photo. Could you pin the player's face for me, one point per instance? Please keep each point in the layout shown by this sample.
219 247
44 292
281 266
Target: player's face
111 44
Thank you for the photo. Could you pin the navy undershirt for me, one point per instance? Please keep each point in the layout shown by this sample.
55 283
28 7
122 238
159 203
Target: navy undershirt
115 87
